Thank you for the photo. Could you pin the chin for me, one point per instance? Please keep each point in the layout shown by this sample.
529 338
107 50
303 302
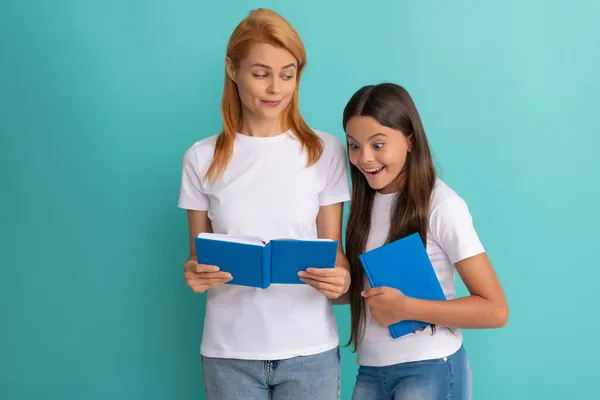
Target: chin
269 116
374 185
379 184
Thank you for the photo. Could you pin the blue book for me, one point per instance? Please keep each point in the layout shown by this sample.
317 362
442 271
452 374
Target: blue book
254 262
404 265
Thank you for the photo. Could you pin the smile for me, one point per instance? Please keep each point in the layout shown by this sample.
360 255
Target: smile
271 103
373 171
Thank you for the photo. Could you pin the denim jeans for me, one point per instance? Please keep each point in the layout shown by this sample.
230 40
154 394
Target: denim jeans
444 378
315 377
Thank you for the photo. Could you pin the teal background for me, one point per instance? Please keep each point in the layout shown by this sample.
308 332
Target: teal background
99 100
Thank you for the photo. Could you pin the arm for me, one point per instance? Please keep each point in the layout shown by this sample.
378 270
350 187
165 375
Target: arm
198 222
485 307
200 277
336 281
329 225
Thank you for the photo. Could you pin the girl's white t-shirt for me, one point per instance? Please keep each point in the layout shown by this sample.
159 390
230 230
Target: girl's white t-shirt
451 238
267 190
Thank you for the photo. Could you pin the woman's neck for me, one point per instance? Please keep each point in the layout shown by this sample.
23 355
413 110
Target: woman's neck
261 127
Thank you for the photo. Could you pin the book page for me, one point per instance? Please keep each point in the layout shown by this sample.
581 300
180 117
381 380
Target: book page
306 239
233 238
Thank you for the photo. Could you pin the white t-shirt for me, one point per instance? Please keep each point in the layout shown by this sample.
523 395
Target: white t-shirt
451 238
266 191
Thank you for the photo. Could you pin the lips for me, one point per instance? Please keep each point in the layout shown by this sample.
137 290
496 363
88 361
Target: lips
373 171
271 103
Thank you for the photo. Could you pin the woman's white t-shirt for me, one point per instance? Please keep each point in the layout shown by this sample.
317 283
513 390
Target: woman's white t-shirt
267 190
451 238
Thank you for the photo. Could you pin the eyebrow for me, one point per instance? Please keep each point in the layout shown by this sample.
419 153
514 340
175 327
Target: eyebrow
370 137
267 67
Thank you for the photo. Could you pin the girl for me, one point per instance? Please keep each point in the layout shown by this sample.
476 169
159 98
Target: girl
396 193
267 174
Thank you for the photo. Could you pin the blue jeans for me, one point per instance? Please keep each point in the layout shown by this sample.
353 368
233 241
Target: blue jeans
444 378
304 378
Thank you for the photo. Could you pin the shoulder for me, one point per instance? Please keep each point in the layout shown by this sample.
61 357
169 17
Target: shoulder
201 152
328 139
333 147
451 224
443 196
447 206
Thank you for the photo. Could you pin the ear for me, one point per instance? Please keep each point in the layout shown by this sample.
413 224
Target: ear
409 139
229 68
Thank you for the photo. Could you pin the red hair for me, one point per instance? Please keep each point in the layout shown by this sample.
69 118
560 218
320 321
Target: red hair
261 26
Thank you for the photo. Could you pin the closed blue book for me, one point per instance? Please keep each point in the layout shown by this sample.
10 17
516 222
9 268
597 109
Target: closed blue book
404 265
254 262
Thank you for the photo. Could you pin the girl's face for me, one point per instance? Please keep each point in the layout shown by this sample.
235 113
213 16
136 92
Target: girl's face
266 81
377 151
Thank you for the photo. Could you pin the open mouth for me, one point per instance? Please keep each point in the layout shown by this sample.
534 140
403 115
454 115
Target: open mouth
373 172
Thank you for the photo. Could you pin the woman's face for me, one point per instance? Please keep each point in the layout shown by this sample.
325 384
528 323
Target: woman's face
266 81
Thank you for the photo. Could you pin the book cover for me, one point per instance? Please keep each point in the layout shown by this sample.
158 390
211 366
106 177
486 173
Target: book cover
404 265
255 262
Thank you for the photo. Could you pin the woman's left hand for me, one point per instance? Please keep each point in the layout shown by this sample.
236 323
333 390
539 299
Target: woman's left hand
332 282
387 305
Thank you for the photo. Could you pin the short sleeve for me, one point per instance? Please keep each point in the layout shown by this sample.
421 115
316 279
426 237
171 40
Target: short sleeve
191 195
451 226
337 188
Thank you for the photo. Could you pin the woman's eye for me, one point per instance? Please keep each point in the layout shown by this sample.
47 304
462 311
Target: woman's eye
353 146
378 145
260 76
288 77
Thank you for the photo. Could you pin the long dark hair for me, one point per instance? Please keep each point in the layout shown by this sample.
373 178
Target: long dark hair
391 106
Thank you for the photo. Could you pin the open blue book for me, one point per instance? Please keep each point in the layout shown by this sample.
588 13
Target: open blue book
254 262
404 265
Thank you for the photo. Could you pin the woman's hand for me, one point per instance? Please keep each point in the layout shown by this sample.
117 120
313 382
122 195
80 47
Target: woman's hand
387 305
201 277
332 282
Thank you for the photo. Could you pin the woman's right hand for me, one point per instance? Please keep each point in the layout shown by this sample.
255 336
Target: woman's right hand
201 277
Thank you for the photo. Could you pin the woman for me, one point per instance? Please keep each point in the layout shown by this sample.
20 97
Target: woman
395 193
267 174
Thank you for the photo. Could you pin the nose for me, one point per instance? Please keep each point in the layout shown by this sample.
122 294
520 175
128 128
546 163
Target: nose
366 156
275 85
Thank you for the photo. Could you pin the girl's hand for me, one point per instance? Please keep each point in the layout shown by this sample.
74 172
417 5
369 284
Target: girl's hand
332 282
387 305
201 277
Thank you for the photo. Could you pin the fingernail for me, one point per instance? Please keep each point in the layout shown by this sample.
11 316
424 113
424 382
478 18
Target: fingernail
301 273
310 269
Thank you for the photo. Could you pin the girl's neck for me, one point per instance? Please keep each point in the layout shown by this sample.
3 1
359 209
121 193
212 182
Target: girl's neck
261 127
397 185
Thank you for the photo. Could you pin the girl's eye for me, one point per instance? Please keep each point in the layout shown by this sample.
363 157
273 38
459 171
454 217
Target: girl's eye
353 146
260 76
378 146
288 77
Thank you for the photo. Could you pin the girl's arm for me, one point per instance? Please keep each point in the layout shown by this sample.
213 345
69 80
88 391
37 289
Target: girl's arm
486 307
451 226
